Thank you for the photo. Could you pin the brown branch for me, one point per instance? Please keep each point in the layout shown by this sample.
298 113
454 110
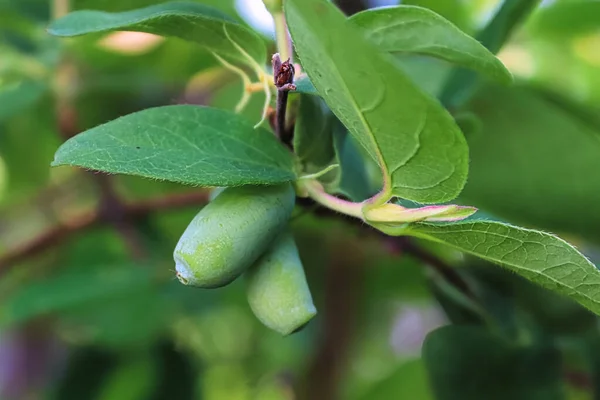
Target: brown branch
47 239
399 245
58 234
343 289
449 274
112 210
580 380
173 201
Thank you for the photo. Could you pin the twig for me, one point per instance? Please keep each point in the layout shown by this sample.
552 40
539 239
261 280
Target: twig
283 76
64 231
47 239
343 289
282 36
59 8
113 211
174 201
401 244
446 271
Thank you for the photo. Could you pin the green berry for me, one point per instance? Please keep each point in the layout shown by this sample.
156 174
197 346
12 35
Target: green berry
231 233
277 291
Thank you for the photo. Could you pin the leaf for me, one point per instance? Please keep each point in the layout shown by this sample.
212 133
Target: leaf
567 19
17 97
556 315
509 16
133 379
422 153
468 363
227 6
540 257
71 289
455 11
532 161
187 144
305 86
203 25
354 181
136 317
427 73
313 142
418 30
408 381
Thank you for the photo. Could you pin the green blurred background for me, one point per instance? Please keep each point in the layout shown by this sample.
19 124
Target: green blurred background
91 310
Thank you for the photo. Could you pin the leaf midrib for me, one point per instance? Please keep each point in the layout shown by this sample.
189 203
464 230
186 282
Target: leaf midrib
386 176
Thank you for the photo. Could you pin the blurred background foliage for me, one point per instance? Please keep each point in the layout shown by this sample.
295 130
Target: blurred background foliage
98 315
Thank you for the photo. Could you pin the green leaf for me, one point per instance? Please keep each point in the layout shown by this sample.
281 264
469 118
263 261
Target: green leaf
532 161
133 379
313 142
418 30
509 16
18 96
227 6
468 363
422 153
187 144
203 25
408 381
354 181
71 289
305 86
566 19
540 257
456 11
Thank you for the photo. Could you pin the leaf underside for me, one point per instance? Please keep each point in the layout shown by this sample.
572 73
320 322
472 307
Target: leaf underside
197 23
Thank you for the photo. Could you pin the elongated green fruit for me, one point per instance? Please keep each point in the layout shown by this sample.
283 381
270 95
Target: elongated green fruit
231 233
277 289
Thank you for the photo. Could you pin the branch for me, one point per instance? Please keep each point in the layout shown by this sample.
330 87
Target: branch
344 283
59 234
401 244
283 76
404 244
112 211
170 202
47 239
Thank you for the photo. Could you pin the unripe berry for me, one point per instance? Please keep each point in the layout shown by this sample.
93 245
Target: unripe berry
231 233
277 291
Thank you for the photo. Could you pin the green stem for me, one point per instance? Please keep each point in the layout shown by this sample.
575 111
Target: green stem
284 43
60 8
316 191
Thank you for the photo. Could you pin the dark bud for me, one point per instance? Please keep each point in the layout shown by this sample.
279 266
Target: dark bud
283 73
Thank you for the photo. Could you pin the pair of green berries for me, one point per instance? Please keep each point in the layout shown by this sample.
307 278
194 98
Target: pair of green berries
244 230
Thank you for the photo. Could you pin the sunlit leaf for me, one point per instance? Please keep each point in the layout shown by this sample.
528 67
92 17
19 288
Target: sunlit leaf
421 152
187 144
418 30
